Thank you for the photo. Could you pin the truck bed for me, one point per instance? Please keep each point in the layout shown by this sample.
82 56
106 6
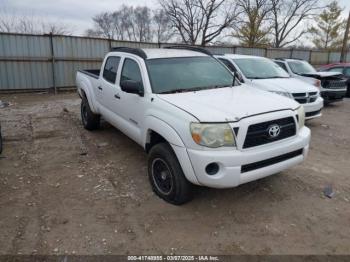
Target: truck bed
95 73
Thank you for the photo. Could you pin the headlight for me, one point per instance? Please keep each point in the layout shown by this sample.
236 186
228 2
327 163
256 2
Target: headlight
317 83
212 135
286 94
301 116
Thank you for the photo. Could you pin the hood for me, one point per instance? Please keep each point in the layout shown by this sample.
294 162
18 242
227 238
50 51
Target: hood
228 104
322 74
291 85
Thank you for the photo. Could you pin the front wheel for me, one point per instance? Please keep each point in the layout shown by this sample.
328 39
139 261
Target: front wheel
90 120
166 176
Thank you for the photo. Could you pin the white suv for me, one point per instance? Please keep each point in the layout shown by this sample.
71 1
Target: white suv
197 127
264 74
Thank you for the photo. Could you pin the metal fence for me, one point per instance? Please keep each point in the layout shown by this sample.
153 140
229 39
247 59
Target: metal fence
41 62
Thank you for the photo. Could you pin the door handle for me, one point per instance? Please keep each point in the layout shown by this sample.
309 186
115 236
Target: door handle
117 96
99 88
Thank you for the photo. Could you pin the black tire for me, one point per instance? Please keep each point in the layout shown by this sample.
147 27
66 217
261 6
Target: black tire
348 91
166 176
90 120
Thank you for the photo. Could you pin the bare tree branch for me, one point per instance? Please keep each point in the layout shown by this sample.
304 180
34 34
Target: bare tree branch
287 16
199 21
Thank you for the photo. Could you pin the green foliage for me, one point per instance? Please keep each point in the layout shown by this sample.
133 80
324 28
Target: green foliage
329 31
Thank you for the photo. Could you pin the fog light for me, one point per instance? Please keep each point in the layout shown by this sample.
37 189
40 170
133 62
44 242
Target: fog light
212 169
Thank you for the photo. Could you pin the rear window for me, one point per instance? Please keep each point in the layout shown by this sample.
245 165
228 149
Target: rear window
111 68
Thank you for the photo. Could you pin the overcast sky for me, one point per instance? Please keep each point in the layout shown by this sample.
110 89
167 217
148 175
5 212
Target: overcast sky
78 13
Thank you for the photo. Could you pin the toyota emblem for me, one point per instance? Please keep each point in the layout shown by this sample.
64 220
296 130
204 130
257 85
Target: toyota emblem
274 131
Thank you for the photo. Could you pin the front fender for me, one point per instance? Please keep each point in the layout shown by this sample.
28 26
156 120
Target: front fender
173 138
155 124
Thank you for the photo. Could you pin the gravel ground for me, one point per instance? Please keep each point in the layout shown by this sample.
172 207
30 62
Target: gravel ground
64 190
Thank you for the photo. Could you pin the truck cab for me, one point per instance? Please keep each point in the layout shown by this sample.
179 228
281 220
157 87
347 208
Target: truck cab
196 123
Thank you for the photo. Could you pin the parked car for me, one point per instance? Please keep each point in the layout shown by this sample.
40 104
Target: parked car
332 84
197 125
264 74
342 68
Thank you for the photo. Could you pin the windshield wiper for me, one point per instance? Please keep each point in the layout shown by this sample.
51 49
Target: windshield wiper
172 91
278 77
193 89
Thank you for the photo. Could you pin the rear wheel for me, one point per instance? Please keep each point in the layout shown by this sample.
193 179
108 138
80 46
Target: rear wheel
90 120
166 176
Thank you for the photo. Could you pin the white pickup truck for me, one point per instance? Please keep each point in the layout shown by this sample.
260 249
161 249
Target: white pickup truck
197 126
263 73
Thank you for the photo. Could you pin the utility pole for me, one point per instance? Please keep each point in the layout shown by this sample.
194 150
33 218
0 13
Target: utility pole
345 41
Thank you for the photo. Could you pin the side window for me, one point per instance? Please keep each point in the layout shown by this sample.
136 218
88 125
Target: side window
283 65
111 68
336 69
228 64
347 71
131 71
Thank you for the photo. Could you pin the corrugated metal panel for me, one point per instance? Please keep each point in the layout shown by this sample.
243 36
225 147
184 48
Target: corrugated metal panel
74 47
301 54
25 60
220 50
25 75
250 51
134 44
24 46
347 57
319 57
66 71
278 53
334 57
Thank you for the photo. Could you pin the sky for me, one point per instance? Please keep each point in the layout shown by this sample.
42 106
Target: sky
77 13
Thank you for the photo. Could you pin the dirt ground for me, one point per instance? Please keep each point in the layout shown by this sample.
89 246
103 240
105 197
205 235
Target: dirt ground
64 190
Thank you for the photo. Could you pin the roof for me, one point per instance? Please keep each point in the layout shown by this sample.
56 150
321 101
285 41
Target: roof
237 56
153 53
335 64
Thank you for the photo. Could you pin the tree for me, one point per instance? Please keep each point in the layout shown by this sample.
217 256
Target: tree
252 30
163 30
13 23
328 33
199 21
127 23
287 15
103 26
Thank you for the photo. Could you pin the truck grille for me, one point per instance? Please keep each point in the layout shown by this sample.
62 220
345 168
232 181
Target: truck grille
258 134
270 161
304 98
334 84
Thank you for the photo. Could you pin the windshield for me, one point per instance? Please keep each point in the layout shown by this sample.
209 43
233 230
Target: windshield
301 67
260 68
181 74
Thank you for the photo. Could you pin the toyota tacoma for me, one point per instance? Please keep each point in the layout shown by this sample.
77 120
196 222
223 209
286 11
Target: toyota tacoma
197 124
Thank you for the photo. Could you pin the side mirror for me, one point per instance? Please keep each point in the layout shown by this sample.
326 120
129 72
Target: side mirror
132 87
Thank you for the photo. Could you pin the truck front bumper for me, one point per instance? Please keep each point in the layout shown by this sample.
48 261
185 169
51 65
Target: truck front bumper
333 95
241 166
